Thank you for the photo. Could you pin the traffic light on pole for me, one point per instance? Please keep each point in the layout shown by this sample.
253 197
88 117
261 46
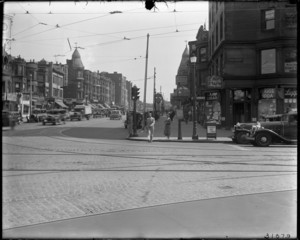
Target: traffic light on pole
137 93
133 93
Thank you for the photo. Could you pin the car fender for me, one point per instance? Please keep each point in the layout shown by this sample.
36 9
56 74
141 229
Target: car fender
275 136
236 131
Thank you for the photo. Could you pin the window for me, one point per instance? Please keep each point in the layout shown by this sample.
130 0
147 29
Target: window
221 27
269 19
290 61
203 54
268 61
217 34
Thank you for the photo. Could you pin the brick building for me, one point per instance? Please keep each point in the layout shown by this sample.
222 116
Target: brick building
252 59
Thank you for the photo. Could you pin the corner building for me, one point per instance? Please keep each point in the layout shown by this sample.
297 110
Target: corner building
252 53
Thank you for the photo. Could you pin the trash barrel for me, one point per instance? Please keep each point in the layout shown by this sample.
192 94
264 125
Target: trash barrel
211 129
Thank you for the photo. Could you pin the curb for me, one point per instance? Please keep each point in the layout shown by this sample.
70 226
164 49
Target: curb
183 140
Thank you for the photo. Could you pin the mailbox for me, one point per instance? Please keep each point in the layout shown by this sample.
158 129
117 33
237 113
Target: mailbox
211 129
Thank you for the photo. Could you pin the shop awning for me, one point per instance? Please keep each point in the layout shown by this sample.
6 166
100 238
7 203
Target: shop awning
61 104
106 105
100 105
93 106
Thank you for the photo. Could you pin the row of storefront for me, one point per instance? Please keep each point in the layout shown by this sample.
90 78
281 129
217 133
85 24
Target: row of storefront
229 106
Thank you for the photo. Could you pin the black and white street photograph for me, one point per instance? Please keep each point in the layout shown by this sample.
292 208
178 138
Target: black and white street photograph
149 119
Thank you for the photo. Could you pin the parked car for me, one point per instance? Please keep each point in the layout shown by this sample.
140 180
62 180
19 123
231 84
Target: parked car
284 131
139 119
55 116
115 114
39 114
241 130
10 118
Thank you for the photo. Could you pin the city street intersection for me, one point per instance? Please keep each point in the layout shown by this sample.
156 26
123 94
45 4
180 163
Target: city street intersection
50 176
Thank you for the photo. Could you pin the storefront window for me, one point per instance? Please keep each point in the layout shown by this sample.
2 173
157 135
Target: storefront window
241 95
213 107
267 102
290 100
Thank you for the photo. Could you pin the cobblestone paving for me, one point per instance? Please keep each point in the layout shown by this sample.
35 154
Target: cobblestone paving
47 179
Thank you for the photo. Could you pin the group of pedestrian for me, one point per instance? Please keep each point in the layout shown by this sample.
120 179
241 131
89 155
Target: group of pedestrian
150 123
167 126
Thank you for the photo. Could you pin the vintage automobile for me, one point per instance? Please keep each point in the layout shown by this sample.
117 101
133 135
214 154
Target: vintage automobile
39 114
55 116
139 118
115 114
283 131
241 130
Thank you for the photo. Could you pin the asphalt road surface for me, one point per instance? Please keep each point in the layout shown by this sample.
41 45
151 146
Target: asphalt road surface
53 173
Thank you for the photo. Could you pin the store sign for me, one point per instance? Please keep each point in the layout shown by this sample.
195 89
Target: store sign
290 67
214 82
179 113
290 93
181 80
211 96
267 93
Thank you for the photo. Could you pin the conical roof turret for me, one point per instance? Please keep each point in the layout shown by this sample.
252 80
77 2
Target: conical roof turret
184 60
76 59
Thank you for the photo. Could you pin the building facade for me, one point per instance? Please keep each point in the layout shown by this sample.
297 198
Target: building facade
120 88
253 59
75 88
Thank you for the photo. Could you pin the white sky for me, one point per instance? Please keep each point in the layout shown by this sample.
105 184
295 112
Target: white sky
101 34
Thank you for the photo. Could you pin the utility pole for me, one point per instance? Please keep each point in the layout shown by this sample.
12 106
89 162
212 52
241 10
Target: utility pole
154 93
145 83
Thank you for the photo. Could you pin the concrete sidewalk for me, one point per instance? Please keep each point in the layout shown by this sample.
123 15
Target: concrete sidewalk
246 216
222 135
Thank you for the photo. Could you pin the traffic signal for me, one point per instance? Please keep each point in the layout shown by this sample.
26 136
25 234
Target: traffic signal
135 91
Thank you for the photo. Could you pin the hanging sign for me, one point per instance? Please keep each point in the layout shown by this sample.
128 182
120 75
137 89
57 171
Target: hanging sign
214 82
210 96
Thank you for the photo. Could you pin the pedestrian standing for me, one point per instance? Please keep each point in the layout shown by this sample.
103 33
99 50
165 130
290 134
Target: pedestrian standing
172 114
150 126
167 129
130 124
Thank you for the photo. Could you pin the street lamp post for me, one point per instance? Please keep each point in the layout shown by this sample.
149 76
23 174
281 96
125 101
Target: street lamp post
195 136
179 120
30 99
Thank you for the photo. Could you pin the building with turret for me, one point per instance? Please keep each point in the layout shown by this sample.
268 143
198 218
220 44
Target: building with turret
75 87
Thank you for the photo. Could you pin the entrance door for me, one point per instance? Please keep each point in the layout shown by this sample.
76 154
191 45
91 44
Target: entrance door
238 113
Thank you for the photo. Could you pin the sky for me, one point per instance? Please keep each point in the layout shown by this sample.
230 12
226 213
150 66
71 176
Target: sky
110 36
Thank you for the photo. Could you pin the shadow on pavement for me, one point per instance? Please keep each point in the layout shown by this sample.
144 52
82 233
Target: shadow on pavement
96 133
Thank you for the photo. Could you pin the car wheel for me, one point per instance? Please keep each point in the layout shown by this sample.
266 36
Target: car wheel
241 138
263 139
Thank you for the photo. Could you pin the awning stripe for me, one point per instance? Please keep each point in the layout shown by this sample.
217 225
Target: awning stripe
61 104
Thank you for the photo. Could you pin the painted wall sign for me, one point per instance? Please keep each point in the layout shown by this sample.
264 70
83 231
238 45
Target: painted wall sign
267 93
181 80
290 93
214 82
